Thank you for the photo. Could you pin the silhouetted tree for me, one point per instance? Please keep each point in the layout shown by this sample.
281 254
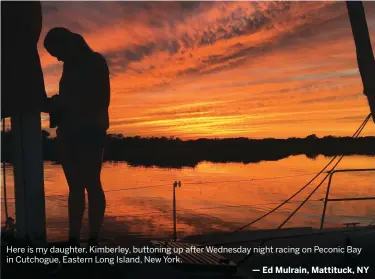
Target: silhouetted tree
175 153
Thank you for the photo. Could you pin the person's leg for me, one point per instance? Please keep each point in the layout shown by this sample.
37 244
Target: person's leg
76 202
91 166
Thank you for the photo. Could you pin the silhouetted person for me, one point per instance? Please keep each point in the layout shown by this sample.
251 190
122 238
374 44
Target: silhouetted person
80 112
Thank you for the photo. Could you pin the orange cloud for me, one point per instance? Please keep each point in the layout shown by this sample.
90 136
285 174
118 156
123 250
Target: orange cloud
222 69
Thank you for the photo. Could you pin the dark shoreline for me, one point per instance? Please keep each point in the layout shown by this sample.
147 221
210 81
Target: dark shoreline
177 153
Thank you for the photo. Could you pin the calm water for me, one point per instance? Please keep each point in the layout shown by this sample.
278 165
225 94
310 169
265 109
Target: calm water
212 196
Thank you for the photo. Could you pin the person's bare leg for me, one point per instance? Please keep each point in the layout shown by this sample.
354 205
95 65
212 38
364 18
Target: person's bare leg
76 199
92 179
76 205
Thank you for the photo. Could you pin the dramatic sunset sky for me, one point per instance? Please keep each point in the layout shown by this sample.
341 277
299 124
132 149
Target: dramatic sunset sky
221 69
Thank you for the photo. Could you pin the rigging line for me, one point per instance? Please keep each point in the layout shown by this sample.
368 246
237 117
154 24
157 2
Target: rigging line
247 180
4 178
136 188
115 190
318 186
308 197
287 200
330 162
154 186
169 212
300 190
242 205
118 190
165 185
256 206
188 183
356 134
363 124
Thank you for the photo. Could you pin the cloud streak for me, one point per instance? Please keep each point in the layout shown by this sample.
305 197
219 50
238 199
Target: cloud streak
220 68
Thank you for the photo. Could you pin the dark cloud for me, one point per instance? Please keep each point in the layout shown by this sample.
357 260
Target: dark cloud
188 71
119 61
139 52
173 46
276 9
240 53
235 25
207 38
187 41
257 21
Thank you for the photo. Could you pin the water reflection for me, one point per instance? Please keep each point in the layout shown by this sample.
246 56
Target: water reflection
212 196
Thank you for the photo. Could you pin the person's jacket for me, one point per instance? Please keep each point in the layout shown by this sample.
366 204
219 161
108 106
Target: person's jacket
84 96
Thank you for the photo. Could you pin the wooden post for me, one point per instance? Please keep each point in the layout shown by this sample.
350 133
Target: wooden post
174 212
365 56
29 177
23 93
175 185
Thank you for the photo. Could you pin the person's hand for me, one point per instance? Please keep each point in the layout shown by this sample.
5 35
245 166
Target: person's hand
46 108
54 98
54 102
51 104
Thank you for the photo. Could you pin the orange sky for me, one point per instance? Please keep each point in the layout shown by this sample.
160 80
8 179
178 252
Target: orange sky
221 69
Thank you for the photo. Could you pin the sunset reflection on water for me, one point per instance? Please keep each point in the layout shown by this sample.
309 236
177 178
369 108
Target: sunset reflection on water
212 197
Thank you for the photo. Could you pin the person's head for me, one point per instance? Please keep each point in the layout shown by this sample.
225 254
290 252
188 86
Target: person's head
64 44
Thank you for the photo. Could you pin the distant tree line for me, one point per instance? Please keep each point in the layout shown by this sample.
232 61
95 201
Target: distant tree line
176 153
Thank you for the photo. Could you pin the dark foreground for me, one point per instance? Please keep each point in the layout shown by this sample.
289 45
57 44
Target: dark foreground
362 237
